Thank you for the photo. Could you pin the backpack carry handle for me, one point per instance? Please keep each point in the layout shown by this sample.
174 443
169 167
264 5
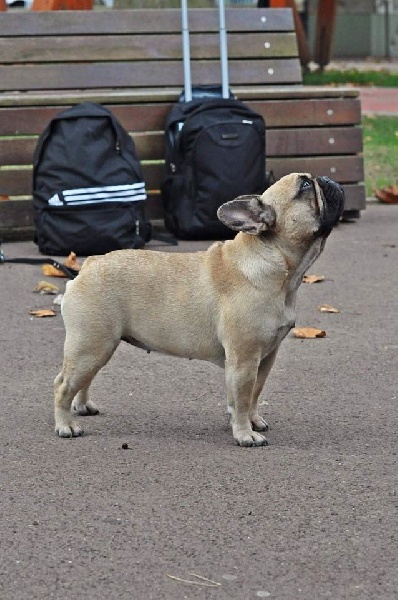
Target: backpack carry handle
186 51
187 56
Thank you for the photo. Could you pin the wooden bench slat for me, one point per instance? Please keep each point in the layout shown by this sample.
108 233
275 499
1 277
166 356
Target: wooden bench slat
142 47
347 169
18 215
138 74
149 117
148 21
115 97
279 143
314 141
309 112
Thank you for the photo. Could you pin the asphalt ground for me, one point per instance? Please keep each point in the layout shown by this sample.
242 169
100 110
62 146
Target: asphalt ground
312 516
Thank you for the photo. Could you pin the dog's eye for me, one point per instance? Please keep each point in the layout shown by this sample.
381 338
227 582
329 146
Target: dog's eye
306 185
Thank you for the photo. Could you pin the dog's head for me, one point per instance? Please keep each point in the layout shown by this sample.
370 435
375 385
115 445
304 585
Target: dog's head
298 207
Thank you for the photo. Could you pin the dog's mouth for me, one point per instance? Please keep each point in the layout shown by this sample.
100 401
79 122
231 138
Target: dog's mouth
332 205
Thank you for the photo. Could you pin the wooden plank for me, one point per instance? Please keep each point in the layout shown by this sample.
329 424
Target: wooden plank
313 141
142 47
151 21
16 217
167 94
151 117
18 182
344 169
309 112
279 143
355 197
282 92
16 214
141 74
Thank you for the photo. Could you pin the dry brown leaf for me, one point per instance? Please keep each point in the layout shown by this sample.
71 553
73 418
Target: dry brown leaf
388 195
327 308
50 271
43 312
308 333
45 287
71 262
313 278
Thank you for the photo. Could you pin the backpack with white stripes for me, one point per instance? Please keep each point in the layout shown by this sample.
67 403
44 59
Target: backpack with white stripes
88 189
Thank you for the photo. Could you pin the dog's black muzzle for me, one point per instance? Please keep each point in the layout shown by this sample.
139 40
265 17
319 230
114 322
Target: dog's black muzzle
332 205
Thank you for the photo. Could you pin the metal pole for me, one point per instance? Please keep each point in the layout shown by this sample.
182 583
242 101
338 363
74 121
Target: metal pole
186 52
223 50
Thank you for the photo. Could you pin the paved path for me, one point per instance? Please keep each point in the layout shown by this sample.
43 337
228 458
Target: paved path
382 101
374 100
312 517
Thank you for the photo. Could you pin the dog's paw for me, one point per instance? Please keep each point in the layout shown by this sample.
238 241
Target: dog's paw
258 423
249 438
68 431
84 410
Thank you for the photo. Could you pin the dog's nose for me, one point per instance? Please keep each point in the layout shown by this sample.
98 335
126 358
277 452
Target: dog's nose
326 181
328 184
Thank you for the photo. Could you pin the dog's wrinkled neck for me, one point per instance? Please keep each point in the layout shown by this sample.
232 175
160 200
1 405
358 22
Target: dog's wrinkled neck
291 254
297 259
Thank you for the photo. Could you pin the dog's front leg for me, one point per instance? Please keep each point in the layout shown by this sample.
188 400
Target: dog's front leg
240 378
264 369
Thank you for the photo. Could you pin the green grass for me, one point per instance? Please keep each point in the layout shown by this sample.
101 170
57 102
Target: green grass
380 136
381 78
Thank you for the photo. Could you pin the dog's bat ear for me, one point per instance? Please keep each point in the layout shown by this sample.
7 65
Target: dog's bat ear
248 214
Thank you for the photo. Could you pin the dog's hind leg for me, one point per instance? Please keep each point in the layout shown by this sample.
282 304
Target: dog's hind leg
80 366
264 369
82 405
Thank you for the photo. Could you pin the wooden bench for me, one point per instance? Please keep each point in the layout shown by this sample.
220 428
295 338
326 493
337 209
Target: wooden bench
130 61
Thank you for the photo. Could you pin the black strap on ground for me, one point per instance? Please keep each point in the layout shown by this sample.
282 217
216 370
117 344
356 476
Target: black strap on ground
67 271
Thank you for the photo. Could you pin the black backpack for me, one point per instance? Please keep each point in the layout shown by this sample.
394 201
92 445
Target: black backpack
88 189
215 151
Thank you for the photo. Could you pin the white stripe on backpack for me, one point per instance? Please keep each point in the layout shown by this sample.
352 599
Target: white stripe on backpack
99 195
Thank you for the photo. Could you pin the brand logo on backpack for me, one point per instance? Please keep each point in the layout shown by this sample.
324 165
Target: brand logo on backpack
98 195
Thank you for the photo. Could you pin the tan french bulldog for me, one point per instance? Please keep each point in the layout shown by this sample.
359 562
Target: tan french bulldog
231 305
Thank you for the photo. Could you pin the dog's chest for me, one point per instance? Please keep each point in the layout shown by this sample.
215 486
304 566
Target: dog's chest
278 327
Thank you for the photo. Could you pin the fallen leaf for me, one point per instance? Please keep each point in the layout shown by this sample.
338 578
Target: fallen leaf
71 262
313 278
43 312
326 308
308 333
388 195
45 287
50 271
